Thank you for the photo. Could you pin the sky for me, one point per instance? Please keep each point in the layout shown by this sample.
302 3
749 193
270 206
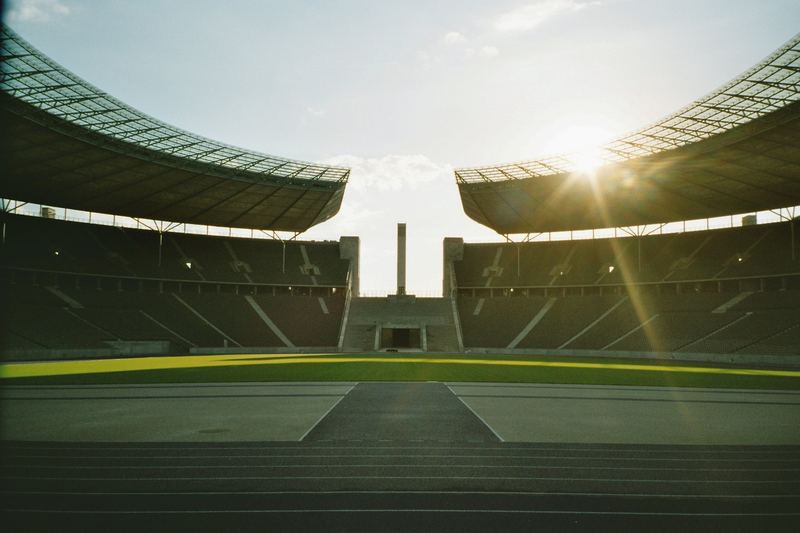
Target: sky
404 91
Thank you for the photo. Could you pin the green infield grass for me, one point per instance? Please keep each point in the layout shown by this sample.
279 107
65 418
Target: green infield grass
396 367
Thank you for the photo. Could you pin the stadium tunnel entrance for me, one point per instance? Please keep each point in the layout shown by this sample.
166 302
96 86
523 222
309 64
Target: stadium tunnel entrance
401 337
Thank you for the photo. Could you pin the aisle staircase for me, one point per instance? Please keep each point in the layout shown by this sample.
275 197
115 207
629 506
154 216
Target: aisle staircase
433 316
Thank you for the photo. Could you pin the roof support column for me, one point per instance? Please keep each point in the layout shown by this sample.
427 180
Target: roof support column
789 215
160 227
8 206
639 253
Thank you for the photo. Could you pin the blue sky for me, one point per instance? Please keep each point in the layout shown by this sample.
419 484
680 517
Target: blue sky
403 91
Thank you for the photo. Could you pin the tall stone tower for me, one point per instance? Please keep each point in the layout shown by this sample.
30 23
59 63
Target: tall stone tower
401 259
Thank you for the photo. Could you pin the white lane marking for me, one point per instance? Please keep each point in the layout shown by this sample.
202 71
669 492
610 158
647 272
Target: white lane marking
479 417
698 390
547 465
378 465
395 511
326 413
221 446
238 384
471 478
460 456
423 492
582 398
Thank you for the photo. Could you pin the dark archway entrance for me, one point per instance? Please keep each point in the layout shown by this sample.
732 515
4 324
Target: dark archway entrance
408 338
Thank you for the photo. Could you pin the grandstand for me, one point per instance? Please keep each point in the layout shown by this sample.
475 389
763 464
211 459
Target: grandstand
98 286
106 290
686 296
639 290
76 289
120 290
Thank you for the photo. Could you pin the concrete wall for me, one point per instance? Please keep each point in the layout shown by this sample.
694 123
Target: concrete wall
101 353
368 316
452 250
781 361
115 349
349 248
263 349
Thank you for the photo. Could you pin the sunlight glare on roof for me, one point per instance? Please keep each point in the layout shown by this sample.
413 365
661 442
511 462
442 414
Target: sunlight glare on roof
576 138
587 161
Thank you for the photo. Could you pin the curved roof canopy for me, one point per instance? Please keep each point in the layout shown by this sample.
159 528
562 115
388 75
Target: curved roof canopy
736 150
67 143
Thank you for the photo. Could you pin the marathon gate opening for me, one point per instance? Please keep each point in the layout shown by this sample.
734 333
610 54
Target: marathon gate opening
400 337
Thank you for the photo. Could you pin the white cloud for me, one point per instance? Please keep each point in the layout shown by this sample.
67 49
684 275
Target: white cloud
390 172
453 37
529 16
36 10
427 60
489 51
314 112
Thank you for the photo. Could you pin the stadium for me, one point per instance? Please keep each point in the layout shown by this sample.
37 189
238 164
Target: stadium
176 355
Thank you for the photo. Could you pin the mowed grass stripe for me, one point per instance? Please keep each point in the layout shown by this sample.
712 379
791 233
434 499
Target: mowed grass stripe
350 367
159 363
128 364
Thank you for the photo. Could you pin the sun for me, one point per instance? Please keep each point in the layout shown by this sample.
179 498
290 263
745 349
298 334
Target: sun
587 161
576 137
580 145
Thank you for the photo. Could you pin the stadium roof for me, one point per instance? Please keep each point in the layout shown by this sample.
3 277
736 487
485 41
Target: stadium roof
736 150
69 144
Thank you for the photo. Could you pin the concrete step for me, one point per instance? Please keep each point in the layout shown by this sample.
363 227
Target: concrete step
359 338
367 314
377 310
442 339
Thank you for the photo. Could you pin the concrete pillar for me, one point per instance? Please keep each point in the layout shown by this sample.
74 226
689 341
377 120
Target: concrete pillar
349 248
453 250
401 259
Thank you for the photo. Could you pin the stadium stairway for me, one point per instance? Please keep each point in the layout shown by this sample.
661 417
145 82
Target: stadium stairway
432 316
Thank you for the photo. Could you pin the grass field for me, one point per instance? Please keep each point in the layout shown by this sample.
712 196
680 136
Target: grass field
395 367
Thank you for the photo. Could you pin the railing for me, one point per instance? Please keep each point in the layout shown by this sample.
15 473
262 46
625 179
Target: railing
685 226
160 226
192 282
382 293
770 282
